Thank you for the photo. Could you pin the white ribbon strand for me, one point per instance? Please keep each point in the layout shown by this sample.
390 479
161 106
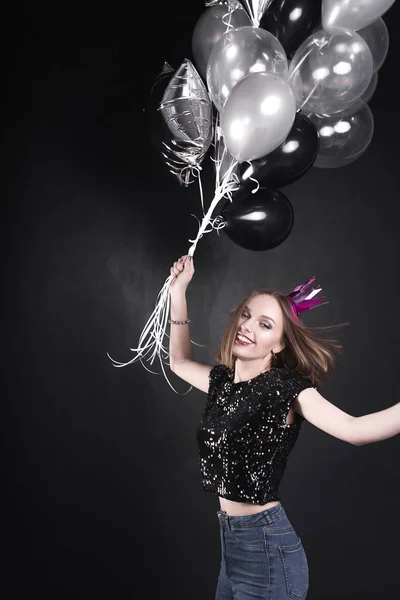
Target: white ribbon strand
151 338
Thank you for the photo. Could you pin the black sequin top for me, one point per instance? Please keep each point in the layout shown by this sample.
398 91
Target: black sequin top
243 438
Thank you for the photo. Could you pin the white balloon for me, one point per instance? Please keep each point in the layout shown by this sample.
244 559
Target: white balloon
258 115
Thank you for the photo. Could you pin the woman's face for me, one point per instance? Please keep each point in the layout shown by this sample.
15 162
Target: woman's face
262 323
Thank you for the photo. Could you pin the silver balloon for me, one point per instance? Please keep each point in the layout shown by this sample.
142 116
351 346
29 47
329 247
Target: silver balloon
241 52
231 3
187 111
255 9
343 137
258 115
338 15
329 72
213 23
377 37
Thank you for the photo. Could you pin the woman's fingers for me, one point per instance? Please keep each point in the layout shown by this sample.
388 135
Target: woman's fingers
177 268
179 265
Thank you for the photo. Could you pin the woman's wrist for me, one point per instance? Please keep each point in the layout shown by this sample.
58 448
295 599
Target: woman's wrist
175 322
178 293
178 308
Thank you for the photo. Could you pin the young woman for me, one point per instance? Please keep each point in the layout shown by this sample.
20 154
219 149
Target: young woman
265 385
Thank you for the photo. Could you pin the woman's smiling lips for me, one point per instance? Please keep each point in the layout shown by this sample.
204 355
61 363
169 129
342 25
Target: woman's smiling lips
241 342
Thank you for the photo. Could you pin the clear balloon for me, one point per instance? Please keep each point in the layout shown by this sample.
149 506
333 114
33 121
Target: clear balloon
291 21
369 92
338 15
187 111
258 115
329 72
377 37
241 52
259 221
211 26
343 137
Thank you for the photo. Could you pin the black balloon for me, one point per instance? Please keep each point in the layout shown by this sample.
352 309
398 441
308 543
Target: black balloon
291 21
292 159
259 221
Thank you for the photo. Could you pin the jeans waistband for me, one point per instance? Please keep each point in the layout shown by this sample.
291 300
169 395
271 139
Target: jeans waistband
266 516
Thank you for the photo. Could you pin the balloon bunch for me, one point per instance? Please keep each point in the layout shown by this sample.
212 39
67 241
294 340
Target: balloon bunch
285 85
334 74
276 87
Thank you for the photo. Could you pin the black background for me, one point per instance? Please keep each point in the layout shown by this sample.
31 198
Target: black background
103 492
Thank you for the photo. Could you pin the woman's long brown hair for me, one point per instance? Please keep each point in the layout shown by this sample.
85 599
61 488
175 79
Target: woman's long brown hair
305 351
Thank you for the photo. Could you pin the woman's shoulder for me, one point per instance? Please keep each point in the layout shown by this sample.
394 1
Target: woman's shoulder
293 379
218 373
218 369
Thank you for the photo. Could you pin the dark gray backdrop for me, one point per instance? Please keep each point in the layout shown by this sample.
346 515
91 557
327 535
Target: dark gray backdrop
103 490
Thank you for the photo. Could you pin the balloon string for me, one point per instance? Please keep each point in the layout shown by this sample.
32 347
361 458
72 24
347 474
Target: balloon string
181 169
229 177
201 192
257 183
308 97
154 331
248 175
226 185
217 145
300 63
228 14
166 70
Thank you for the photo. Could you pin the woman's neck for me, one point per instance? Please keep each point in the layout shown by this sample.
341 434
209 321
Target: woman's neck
243 371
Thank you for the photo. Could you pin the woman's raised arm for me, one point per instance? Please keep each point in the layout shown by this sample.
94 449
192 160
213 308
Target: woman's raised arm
180 348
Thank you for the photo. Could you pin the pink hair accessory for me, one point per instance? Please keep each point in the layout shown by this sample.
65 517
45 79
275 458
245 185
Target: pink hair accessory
302 297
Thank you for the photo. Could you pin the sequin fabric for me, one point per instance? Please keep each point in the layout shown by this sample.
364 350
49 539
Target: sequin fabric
243 439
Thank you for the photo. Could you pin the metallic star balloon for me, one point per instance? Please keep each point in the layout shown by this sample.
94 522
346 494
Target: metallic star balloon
187 111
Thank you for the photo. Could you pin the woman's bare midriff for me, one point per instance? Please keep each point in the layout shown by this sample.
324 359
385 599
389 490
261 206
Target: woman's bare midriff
237 509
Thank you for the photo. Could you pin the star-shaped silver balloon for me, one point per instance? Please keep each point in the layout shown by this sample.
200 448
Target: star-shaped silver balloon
187 111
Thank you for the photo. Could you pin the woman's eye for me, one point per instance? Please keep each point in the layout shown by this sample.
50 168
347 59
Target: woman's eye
265 324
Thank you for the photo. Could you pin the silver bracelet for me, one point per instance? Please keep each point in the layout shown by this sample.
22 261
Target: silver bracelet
179 322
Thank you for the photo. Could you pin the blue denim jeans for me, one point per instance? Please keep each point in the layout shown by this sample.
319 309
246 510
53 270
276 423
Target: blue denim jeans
262 558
